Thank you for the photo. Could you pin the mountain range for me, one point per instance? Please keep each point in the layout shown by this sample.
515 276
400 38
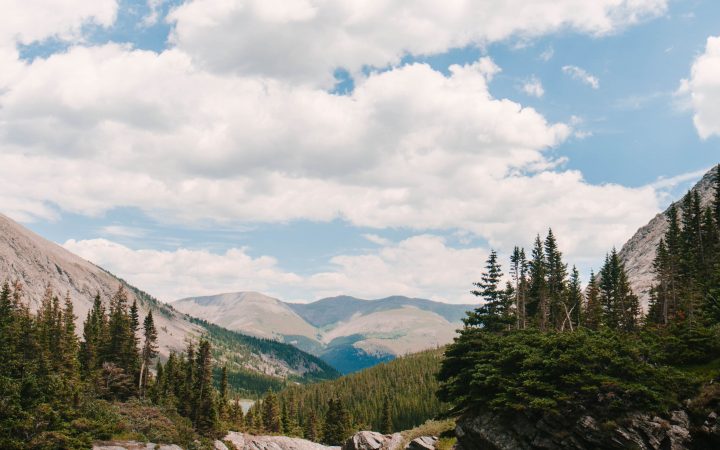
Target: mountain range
38 263
347 332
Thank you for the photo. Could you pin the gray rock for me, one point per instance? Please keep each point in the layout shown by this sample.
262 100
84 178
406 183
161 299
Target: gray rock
423 443
243 441
551 432
372 440
220 445
133 445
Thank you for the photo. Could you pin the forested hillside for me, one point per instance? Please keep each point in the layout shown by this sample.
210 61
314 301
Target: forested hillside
392 396
57 391
254 365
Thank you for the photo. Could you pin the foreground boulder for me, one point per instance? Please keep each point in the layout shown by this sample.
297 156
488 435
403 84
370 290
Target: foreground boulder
243 441
371 440
132 445
423 443
636 431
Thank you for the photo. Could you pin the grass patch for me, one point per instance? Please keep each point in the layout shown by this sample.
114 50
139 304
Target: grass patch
439 428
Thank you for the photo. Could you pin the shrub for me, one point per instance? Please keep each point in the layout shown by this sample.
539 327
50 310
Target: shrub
605 372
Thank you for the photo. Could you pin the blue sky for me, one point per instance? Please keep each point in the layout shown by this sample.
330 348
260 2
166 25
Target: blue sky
612 141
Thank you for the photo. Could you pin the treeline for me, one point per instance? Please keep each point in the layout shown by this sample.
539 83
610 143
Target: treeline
389 397
687 263
542 344
57 391
543 294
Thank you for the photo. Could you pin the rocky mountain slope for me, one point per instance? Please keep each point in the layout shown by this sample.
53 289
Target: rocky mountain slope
347 332
639 252
36 263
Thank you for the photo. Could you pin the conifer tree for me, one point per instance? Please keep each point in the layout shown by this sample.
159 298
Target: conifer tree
556 271
271 413
593 308
70 344
537 304
311 428
387 424
621 307
223 399
574 304
494 314
205 414
518 268
149 350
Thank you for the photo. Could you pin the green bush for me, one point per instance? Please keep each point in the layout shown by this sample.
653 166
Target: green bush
605 372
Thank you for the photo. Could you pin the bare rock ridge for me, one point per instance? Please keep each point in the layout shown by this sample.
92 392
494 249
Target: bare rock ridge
639 431
36 263
638 253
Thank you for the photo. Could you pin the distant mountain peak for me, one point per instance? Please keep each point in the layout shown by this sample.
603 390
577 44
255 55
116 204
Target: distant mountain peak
348 332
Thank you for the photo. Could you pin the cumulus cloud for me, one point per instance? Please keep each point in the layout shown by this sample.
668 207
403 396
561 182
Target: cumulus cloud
703 89
409 267
171 275
101 127
221 127
305 40
580 74
28 21
533 87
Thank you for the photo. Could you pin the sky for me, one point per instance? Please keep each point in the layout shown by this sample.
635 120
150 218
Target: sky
310 148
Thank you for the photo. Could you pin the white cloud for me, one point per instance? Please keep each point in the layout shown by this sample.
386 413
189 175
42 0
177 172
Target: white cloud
547 54
122 231
582 75
421 266
306 40
171 275
28 21
533 87
102 127
702 89
186 139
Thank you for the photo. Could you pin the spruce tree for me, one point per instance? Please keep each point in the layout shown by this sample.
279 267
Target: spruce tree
386 421
271 413
494 314
593 308
311 428
621 307
537 303
149 350
205 417
518 267
556 271
575 300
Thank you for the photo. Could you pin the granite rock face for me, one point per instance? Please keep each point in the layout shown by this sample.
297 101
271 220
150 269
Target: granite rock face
423 443
133 445
636 431
371 440
639 252
243 441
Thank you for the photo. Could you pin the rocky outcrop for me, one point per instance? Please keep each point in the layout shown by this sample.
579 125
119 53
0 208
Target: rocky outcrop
133 445
639 252
423 443
521 432
371 440
243 441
